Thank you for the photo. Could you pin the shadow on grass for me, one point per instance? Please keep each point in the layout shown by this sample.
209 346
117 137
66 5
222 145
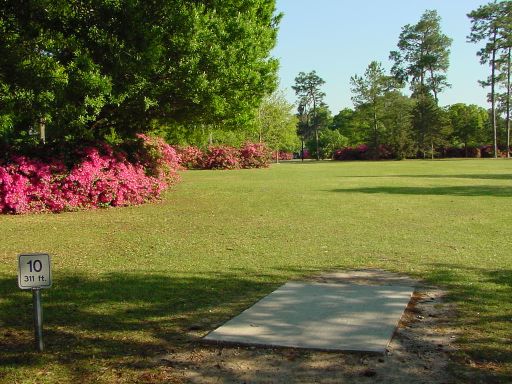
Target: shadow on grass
477 190
486 294
110 313
122 320
486 176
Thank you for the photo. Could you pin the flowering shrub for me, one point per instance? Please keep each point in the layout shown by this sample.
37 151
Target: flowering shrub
383 152
251 155
451 152
191 157
221 157
102 178
254 156
476 152
350 153
159 159
487 151
462 152
285 155
363 152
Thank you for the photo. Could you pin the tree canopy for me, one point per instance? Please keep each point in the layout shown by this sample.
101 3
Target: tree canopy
86 68
423 53
368 95
491 24
277 124
309 99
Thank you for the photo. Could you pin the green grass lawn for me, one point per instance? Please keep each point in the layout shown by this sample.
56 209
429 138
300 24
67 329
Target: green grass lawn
129 282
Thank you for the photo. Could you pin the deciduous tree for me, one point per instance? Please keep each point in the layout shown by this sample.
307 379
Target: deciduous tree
277 124
469 123
346 123
86 67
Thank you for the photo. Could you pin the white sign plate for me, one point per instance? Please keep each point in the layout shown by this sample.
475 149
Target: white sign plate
34 271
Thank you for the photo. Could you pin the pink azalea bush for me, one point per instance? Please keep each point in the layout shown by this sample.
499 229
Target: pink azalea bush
101 178
221 157
191 157
159 159
250 155
254 155
350 153
285 155
363 152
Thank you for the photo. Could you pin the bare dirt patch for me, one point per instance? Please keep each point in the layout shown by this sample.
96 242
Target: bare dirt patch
419 351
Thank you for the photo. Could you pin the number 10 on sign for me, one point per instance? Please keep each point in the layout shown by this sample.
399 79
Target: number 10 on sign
34 271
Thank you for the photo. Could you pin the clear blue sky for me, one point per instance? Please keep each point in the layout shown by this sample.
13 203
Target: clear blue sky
339 38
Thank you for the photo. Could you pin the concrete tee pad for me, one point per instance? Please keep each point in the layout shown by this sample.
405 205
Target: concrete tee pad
341 317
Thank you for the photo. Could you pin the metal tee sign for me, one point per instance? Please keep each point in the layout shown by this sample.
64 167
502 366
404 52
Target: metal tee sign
34 271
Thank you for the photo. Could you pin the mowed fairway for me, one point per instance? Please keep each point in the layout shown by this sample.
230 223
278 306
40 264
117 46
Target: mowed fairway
130 282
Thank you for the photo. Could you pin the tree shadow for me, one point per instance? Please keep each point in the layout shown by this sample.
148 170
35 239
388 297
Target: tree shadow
475 190
109 313
126 320
476 176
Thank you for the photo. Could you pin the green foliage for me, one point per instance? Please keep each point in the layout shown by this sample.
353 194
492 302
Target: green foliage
368 96
276 124
310 98
87 67
491 24
397 119
329 141
423 52
346 122
469 123
319 122
430 124
308 90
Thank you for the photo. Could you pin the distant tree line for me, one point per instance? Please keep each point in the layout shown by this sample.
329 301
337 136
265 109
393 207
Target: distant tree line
383 117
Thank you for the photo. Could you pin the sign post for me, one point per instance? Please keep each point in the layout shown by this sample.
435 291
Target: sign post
38 319
34 273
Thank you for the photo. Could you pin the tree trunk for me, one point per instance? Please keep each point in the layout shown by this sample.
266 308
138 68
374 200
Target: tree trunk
493 97
375 136
434 86
508 103
315 122
42 129
317 143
